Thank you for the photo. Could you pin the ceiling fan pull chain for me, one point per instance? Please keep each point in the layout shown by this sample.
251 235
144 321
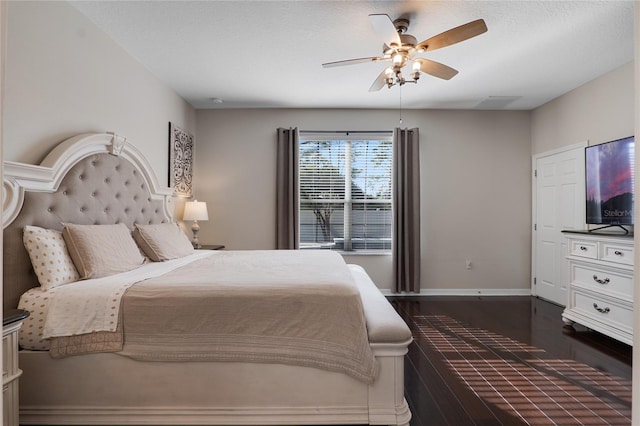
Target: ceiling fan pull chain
400 90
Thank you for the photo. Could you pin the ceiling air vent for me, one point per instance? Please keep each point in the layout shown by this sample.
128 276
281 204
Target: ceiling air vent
497 102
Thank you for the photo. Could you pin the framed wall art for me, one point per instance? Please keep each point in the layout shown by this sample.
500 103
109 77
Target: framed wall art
180 161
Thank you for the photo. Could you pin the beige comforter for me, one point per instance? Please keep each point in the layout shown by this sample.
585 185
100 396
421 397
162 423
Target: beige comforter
292 307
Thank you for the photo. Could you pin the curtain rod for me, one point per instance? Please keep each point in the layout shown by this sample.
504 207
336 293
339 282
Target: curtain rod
346 131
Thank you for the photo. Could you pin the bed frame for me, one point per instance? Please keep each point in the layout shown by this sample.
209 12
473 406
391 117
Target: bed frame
100 179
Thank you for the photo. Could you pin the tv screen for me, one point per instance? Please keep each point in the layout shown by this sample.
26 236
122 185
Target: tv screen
609 169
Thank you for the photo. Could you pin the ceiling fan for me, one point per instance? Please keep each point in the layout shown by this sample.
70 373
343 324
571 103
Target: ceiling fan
400 49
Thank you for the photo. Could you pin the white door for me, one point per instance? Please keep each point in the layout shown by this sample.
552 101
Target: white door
559 204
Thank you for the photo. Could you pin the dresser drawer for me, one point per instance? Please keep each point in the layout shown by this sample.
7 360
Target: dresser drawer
603 310
615 283
583 248
600 283
616 253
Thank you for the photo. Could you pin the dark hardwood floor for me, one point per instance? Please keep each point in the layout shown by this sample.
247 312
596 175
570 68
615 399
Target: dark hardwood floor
510 361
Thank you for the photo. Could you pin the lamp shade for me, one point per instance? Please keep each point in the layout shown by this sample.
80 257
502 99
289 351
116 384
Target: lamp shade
195 210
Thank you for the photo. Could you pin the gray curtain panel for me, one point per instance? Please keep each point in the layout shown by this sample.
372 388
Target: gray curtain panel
287 216
406 213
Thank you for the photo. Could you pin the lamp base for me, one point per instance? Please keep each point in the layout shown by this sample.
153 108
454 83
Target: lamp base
195 228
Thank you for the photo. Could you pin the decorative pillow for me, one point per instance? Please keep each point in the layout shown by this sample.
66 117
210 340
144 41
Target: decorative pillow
101 250
49 256
162 241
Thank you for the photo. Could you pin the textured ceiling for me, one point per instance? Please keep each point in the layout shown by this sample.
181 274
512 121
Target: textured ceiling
269 53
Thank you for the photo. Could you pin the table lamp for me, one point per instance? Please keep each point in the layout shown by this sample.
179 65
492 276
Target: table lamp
195 210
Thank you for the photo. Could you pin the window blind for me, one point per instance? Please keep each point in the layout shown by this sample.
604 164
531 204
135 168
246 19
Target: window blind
345 191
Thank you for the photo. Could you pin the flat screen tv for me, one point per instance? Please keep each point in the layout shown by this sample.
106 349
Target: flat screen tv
609 169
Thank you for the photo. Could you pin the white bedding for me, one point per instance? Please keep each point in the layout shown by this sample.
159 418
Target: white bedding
290 307
58 322
85 306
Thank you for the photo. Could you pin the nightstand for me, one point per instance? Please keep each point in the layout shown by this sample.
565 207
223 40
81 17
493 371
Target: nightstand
211 247
11 323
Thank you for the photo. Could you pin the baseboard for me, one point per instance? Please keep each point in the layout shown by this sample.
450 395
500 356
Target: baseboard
464 292
399 415
192 416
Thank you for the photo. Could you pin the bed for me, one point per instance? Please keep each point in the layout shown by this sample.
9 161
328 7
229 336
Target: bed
101 179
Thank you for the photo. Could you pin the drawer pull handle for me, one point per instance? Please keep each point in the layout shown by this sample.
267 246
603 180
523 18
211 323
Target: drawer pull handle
602 311
600 281
617 253
583 248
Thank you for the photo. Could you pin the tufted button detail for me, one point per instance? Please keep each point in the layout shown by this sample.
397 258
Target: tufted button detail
81 177
49 209
126 209
93 194
117 195
64 192
82 209
106 180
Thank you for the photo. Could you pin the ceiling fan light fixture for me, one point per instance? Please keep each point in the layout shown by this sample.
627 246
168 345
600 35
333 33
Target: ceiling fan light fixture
389 73
416 70
400 48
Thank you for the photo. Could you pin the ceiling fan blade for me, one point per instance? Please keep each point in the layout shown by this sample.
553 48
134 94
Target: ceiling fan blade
454 35
379 82
384 27
436 69
352 61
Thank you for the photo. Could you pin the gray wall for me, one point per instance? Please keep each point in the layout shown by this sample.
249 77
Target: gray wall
64 76
476 201
598 111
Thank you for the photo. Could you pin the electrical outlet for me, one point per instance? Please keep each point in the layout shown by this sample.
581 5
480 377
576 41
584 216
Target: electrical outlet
468 264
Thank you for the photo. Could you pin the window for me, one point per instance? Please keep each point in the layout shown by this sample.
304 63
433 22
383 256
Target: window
345 191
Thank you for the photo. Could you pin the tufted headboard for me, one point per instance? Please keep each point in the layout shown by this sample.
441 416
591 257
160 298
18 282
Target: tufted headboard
88 179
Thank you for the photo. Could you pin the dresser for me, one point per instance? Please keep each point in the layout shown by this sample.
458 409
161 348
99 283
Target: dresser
600 289
12 321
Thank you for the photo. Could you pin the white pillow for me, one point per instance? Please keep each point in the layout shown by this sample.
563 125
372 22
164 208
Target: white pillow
162 241
49 256
101 250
